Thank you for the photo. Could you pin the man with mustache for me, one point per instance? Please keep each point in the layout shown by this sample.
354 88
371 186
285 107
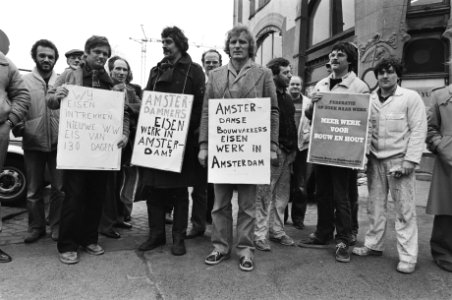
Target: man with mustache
333 193
85 189
175 73
40 139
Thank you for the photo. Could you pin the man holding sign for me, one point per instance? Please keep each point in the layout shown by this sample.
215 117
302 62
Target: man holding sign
85 189
175 74
333 196
241 78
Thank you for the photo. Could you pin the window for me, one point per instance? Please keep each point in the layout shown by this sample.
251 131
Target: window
427 55
269 46
260 5
330 17
425 2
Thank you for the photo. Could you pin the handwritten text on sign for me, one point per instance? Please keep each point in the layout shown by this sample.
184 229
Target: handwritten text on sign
162 131
339 130
239 141
90 129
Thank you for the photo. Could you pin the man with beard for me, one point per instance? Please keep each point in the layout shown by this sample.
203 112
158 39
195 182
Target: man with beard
176 73
14 102
203 195
40 139
272 200
85 189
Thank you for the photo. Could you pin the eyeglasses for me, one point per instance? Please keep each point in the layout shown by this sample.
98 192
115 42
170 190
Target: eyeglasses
213 62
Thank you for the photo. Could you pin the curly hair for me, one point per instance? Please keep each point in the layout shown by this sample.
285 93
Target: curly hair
236 31
277 62
388 62
96 41
43 43
351 51
178 37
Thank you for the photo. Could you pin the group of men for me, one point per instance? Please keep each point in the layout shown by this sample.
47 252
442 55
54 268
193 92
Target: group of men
397 135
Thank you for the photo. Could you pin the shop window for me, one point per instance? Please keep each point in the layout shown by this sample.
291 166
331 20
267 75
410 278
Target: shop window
269 46
329 18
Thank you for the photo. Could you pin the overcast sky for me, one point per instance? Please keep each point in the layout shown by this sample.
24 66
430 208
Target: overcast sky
70 23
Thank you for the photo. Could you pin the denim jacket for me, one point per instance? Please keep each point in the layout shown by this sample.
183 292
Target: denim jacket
399 126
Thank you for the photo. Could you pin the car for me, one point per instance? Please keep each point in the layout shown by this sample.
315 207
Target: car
13 182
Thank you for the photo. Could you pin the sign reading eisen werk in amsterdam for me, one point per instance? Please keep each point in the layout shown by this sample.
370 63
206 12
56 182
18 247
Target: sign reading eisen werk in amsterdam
339 131
239 141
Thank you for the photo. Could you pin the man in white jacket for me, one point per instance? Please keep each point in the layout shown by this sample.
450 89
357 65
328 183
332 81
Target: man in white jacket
399 128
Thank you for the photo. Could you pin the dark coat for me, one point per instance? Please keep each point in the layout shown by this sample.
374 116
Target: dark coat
439 141
172 80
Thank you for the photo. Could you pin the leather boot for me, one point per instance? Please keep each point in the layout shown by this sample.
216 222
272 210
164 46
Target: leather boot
178 247
156 219
152 243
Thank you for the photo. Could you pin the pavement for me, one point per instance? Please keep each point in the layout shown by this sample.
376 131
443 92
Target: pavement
283 273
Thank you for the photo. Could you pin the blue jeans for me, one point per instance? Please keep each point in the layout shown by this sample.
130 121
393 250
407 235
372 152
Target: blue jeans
35 164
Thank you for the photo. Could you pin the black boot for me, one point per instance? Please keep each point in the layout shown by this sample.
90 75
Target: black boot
156 219
178 247
4 257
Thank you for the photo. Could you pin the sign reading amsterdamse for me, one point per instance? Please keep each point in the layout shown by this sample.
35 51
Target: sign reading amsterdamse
339 130
239 141
90 128
162 131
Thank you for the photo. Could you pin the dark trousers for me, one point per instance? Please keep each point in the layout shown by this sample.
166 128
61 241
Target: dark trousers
353 196
441 241
203 199
299 186
158 202
333 203
82 208
112 208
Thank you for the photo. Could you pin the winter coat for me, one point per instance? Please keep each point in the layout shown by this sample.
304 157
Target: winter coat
14 96
439 141
185 77
41 124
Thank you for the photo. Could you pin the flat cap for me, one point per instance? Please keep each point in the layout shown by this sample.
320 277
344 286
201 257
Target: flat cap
74 52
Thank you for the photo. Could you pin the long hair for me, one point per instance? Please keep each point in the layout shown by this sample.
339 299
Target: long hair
178 37
236 31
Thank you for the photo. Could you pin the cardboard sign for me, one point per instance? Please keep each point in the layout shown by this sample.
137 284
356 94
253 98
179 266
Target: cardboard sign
162 131
239 141
90 128
339 131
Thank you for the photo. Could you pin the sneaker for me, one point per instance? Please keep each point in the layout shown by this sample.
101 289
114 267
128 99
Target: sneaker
94 249
312 242
215 257
342 254
246 264
69 258
33 236
262 245
364 251
405 267
283 240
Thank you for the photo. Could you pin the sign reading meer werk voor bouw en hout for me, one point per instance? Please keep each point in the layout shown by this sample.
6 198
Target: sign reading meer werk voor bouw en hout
239 141
339 130
162 131
90 129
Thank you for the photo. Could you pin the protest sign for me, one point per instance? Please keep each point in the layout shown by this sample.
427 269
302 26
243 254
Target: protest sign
239 141
162 131
90 129
339 130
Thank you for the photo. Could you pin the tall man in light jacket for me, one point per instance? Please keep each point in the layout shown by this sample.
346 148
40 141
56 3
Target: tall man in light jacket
333 196
241 78
399 128
40 136
14 102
